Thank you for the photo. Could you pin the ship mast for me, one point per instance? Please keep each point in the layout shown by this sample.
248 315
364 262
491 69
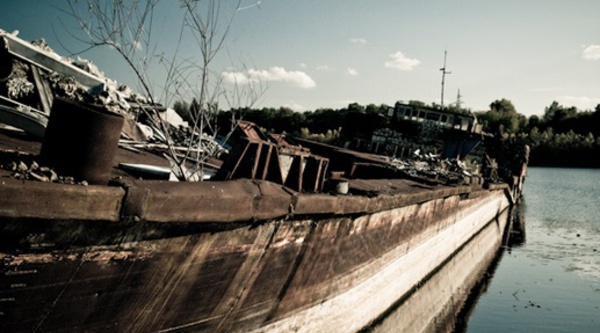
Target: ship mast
444 72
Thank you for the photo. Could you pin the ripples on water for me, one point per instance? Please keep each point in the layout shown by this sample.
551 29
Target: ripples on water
552 282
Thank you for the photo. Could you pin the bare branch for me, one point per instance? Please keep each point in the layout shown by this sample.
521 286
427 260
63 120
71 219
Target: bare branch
126 27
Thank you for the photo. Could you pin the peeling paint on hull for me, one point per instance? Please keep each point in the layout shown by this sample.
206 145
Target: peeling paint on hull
328 273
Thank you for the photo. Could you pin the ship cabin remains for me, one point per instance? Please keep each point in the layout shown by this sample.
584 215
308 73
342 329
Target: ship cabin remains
441 117
407 129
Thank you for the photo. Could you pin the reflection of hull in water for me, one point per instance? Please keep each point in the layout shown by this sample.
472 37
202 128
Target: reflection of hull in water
441 302
517 233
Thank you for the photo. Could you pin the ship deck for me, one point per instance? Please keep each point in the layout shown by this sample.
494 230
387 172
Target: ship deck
129 198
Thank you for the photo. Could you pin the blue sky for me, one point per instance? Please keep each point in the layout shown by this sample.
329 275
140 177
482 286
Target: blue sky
328 53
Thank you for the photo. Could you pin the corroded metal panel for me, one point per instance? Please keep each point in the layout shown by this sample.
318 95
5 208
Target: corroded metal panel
304 274
60 202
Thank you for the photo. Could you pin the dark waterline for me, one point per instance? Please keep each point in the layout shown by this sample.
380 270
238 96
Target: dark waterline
550 283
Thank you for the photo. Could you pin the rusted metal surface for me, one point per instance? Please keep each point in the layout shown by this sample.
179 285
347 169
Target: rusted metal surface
336 239
204 278
273 158
251 131
205 202
81 142
252 160
36 200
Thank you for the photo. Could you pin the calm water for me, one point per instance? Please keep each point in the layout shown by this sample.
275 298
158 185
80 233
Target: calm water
551 282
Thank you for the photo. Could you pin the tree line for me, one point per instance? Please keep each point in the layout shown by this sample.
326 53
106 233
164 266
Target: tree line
323 125
562 137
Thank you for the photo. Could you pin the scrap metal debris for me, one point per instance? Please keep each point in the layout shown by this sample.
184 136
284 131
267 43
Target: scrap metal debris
433 167
34 74
17 84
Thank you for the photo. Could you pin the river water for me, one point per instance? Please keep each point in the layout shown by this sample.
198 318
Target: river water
550 281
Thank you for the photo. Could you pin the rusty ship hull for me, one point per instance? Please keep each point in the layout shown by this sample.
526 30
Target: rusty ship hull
264 246
305 262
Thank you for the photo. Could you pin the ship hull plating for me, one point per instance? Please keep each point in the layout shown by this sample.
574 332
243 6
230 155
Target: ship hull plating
317 273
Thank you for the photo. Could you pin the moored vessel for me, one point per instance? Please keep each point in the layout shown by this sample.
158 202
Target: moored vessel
270 243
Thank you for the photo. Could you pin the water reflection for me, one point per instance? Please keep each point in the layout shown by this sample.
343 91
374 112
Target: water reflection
564 209
515 235
551 283
444 302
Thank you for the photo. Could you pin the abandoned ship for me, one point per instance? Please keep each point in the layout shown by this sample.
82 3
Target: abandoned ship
268 234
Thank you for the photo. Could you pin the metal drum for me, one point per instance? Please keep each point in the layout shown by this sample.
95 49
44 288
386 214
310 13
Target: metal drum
81 141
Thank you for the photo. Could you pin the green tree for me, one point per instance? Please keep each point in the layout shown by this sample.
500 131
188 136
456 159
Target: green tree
356 107
503 106
556 113
502 118
183 110
417 103
377 109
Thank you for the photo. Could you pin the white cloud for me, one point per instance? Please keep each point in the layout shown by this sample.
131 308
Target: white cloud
360 41
352 71
237 78
401 62
580 102
591 52
273 74
324 68
302 65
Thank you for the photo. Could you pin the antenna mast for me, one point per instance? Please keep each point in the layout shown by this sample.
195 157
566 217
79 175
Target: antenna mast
444 72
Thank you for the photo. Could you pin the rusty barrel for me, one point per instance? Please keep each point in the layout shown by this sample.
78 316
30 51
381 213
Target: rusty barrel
81 141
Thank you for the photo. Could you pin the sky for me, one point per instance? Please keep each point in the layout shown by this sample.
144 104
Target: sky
314 54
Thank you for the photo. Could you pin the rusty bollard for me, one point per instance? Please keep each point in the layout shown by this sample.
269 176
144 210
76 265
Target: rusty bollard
81 141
